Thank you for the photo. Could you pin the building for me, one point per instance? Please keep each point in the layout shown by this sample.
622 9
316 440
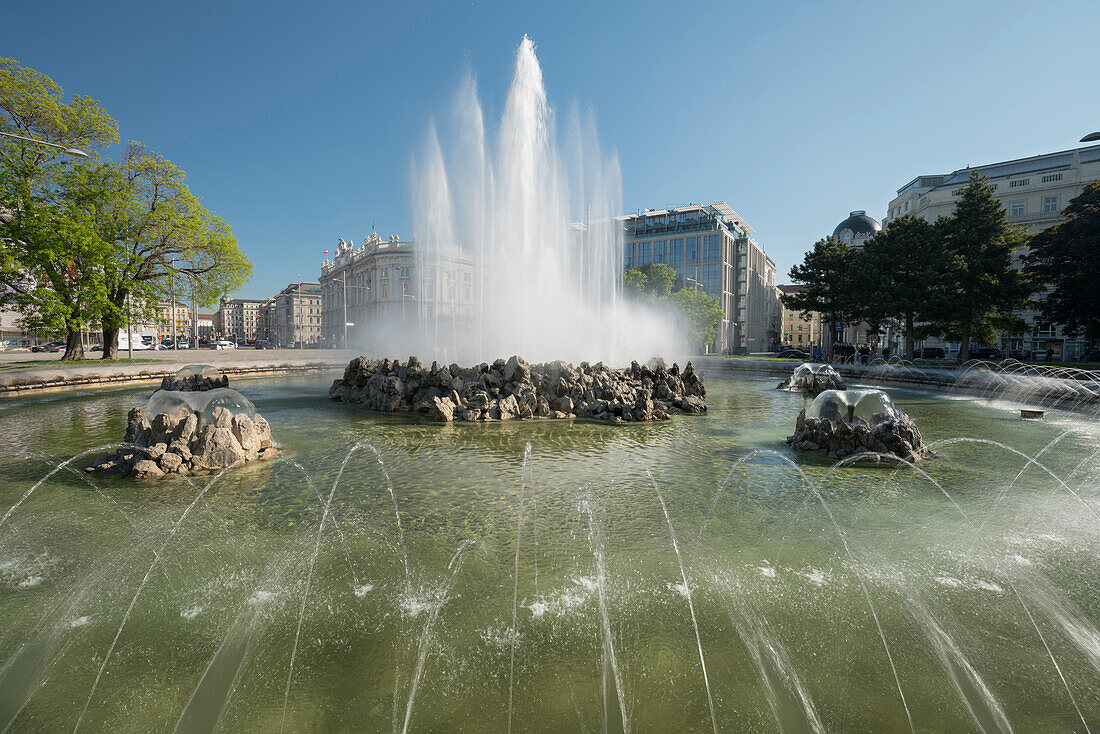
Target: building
387 281
1033 191
796 330
292 317
236 318
854 232
173 313
711 248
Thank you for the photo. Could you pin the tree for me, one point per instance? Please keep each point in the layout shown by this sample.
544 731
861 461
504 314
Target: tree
828 274
1066 258
653 281
157 230
659 283
898 275
701 312
48 253
980 288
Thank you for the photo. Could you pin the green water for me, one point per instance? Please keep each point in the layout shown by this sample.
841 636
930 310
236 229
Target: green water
787 634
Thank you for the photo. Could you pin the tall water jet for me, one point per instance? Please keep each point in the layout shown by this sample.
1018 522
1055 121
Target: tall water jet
536 225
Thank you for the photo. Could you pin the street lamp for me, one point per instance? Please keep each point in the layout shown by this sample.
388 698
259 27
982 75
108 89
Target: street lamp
1091 137
76 152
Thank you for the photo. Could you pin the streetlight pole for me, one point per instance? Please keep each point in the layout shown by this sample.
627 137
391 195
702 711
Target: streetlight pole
76 152
172 301
345 294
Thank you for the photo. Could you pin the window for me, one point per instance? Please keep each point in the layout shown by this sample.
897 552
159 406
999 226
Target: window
385 290
689 255
712 248
1018 182
404 288
677 252
1050 204
956 192
1052 177
1018 208
907 206
647 253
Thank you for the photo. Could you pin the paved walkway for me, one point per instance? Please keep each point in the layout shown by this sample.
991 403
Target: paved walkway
49 372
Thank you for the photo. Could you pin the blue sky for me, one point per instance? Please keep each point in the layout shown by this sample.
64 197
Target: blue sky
297 122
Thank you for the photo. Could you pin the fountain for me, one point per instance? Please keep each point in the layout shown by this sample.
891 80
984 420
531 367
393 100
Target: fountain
532 214
195 377
848 422
681 575
179 432
812 378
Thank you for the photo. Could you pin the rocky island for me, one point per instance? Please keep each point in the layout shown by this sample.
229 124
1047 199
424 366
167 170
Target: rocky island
514 389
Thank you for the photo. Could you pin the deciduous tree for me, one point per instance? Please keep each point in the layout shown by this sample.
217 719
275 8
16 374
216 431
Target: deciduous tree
49 254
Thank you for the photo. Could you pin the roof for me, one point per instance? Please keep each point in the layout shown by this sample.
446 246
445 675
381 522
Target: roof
1042 162
790 288
859 224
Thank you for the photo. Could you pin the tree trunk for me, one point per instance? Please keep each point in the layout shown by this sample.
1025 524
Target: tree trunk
910 337
110 342
74 347
964 347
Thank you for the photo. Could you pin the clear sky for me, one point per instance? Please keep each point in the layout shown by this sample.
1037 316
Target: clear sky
297 122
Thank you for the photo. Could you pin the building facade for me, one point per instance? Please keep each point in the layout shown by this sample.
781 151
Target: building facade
292 317
1033 191
387 281
798 331
711 248
173 314
236 318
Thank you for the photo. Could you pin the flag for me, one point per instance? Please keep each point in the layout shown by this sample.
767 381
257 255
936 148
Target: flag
325 252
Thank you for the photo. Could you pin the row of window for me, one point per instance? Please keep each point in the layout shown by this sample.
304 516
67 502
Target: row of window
1019 208
675 252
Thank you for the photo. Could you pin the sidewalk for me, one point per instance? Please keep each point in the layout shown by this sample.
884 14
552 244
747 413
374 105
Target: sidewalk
47 372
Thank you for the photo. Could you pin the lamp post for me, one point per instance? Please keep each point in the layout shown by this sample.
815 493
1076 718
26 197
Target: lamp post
75 152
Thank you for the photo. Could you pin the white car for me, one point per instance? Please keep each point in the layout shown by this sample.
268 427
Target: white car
224 344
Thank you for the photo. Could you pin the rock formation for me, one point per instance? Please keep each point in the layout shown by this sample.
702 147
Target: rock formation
182 432
195 377
844 423
812 379
514 389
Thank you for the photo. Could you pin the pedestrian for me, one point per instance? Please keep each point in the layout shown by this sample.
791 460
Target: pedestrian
1050 354
886 354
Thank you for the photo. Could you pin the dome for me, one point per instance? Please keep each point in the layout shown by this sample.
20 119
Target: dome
858 226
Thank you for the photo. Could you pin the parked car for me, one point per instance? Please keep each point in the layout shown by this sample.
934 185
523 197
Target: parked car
732 351
793 354
932 353
265 345
978 352
224 344
1020 354
47 347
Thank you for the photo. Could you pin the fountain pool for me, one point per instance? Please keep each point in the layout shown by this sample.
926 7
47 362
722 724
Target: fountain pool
389 574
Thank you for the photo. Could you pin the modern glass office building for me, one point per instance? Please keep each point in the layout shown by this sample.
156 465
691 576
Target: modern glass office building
711 248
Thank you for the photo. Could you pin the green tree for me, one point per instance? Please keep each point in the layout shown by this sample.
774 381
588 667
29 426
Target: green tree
980 288
828 274
898 275
1066 259
48 252
157 231
654 281
659 283
701 313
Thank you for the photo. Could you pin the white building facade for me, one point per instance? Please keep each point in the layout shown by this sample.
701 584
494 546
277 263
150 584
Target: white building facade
1033 191
388 284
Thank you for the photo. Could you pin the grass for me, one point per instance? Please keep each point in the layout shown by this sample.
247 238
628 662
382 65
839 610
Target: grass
55 363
